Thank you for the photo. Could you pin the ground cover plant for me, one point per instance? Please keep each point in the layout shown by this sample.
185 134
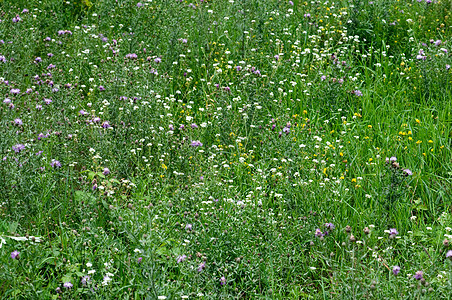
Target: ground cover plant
225 149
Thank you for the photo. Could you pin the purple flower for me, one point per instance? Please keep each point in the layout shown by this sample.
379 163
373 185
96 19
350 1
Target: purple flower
393 159
106 125
18 122
19 147
196 144
14 91
15 254
38 106
323 77
24 11
407 172
447 67
131 56
194 126
330 226
223 280
449 254
47 101
419 275
189 227
85 280
68 285
393 232
16 19
307 15
201 266
395 270
7 101
290 3
106 171
49 54
55 164
139 260
318 233
357 93
101 88
82 112
139 4
96 120
181 258
158 60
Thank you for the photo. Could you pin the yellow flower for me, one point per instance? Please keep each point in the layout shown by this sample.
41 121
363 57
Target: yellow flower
418 142
417 121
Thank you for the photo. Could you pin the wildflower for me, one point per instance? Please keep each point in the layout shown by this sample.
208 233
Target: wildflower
395 270
393 232
132 56
357 93
201 266
85 280
19 147
189 227
14 91
291 3
18 122
106 171
181 258
106 125
47 101
158 60
318 233
106 280
101 88
139 260
15 254
223 280
393 159
68 285
419 275
449 254
55 164
330 226
407 172
194 126
196 144
323 78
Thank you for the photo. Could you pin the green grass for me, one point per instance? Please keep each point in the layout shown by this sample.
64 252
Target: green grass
297 107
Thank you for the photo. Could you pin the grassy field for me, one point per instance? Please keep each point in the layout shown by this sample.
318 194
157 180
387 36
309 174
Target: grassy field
241 149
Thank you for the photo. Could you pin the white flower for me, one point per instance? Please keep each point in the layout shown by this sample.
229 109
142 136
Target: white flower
161 297
89 265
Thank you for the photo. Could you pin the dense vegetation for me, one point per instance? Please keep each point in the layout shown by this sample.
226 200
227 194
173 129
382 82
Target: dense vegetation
225 149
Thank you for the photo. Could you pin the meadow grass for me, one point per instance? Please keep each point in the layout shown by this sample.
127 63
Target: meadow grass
225 149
